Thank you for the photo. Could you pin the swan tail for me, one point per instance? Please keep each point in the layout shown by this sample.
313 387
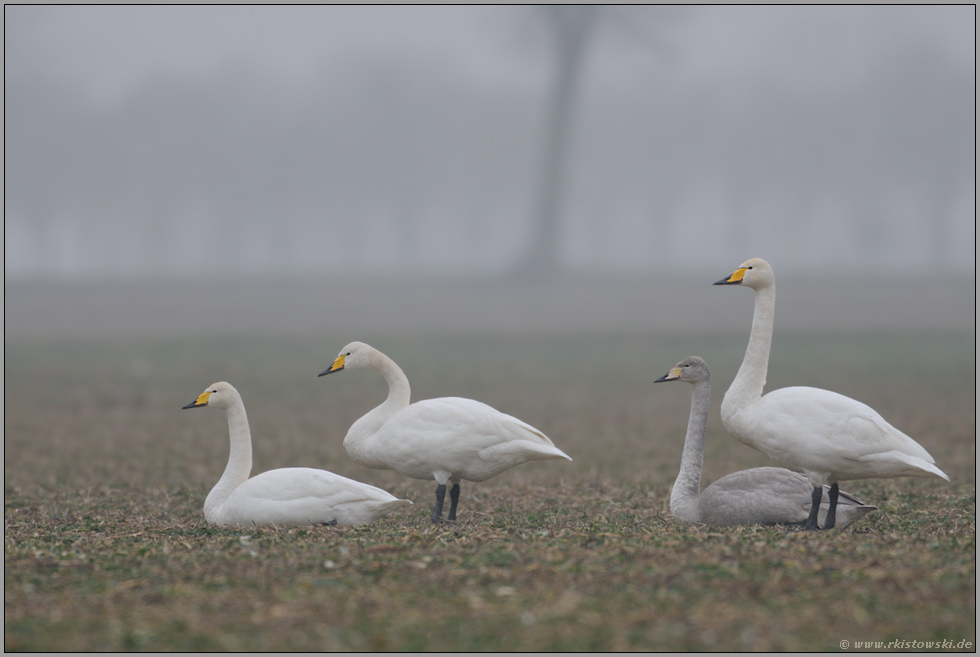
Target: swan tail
523 449
529 432
362 514
386 507
936 471
848 499
846 514
917 467
849 509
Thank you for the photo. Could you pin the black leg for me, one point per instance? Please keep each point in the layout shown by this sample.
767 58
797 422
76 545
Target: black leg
832 511
440 498
811 521
453 501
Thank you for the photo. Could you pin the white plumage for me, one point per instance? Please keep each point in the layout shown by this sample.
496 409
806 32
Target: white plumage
446 439
826 436
759 496
287 496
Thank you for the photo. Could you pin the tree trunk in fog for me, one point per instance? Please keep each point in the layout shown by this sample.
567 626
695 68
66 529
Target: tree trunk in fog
572 26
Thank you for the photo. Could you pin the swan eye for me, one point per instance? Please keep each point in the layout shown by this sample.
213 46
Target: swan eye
347 354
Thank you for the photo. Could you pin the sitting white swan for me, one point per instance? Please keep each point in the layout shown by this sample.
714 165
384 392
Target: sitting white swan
446 439
760 496
287 496
825 435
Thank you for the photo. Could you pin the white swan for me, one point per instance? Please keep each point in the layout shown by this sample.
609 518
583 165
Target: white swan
760 496
287 496
446 439
826 436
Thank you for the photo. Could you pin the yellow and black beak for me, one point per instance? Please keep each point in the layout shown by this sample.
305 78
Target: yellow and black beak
671 375
200 401
734 279
336 367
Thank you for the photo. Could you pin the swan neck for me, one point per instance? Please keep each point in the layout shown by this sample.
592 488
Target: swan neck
399 397
399 392
239 459
687 487
751 378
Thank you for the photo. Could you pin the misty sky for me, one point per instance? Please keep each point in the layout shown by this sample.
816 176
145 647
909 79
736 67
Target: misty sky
159 141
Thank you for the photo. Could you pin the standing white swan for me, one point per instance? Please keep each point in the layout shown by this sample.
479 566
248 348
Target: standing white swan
287 496
446 439
760 496
825 435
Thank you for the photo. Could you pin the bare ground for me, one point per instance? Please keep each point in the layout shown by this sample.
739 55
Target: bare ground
105 476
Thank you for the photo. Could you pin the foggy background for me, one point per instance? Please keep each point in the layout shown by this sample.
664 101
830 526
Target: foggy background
483 166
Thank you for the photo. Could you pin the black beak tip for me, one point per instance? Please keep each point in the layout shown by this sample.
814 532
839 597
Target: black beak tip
662 379
726 281
193 404
328 371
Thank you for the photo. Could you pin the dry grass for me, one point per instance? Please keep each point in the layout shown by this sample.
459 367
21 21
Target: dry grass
106 548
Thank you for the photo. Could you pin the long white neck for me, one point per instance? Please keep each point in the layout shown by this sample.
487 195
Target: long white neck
239 460
751 378
684 496
399 396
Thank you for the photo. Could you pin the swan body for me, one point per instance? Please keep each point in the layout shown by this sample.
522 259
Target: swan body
824 435
760 496
446 439
287 496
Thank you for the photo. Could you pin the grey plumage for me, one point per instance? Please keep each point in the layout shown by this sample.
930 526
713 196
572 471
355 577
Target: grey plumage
760 496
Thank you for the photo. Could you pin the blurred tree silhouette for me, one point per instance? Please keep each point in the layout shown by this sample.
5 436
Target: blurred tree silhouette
573 28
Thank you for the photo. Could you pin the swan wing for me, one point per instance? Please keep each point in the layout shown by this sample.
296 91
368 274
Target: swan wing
764 496
466 438
771 496
819 431
305 496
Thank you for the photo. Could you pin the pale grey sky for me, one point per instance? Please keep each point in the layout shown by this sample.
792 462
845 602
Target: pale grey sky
107 53
407 138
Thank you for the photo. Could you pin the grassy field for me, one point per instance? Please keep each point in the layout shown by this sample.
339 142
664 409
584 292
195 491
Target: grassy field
106 548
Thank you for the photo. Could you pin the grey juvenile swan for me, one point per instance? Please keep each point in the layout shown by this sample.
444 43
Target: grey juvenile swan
823 434
760 496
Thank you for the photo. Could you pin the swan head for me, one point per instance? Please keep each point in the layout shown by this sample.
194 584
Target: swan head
755 273
691 370
356 354
221 395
